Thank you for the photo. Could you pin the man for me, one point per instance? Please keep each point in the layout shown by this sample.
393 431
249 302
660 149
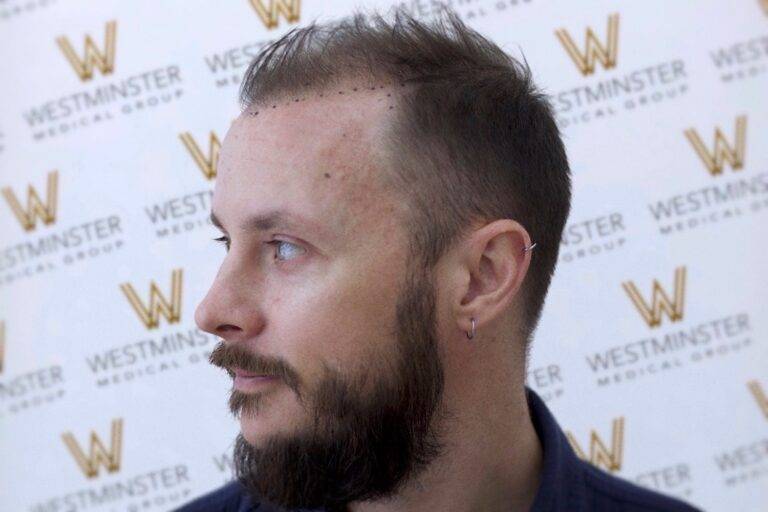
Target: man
391 201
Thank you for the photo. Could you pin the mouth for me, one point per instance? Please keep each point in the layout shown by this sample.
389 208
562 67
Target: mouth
237 372
248 381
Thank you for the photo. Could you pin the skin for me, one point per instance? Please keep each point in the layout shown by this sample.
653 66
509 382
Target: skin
329 298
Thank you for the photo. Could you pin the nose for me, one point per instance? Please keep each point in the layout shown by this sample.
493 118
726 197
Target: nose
230 309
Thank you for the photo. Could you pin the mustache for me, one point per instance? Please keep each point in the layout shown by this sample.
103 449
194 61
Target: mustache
233 356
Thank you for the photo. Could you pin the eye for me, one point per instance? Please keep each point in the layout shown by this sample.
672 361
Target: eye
223 240
293 249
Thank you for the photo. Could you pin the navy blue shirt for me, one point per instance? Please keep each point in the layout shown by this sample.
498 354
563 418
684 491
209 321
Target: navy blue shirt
568 484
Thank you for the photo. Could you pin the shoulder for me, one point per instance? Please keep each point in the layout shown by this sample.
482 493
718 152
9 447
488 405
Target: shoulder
228 498
609 492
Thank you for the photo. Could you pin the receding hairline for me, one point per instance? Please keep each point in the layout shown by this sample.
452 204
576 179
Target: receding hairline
354 84
351 86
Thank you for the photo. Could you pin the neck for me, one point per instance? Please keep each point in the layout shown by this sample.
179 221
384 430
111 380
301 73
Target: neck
492 459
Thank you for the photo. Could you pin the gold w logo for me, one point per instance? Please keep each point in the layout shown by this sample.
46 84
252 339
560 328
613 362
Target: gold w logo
2 345
158 304
93 56
206 164
290 9
97 453
723 151
599 454
660 302
594 49
35 206
760 397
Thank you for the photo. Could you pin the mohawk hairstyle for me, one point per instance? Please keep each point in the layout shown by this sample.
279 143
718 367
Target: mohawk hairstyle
473 137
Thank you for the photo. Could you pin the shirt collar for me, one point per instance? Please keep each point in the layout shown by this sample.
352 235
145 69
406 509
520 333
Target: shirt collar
562 481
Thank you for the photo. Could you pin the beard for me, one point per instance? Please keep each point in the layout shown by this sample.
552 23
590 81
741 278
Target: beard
361 445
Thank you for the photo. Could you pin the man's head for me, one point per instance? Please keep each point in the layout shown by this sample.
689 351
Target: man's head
377 195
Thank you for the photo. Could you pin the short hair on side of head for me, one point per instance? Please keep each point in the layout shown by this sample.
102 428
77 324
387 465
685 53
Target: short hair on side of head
473 137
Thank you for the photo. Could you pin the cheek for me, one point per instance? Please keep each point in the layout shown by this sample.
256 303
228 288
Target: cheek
343 325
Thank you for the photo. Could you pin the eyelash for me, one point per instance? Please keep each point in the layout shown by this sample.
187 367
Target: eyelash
224 240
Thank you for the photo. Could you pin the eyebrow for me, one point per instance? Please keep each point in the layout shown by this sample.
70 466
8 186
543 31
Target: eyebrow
273 219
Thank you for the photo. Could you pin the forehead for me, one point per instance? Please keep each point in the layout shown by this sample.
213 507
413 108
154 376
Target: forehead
318 154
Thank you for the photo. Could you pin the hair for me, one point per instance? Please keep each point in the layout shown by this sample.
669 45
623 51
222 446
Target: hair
473 137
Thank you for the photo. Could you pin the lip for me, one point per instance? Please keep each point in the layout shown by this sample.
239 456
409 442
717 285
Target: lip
242 373
245 381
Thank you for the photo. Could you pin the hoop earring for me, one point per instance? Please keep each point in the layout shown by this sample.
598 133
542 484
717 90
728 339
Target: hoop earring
531 247
470 336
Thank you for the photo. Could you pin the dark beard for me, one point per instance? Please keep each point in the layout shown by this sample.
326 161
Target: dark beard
362 445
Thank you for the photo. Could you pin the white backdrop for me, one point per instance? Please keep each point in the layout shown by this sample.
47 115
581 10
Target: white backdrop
652 349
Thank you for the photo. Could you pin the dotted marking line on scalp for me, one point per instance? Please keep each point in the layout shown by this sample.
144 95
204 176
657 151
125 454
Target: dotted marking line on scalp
254 113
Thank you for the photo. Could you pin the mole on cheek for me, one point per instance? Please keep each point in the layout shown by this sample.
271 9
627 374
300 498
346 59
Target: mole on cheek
327 175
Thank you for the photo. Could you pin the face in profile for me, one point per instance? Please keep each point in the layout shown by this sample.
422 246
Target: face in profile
328 321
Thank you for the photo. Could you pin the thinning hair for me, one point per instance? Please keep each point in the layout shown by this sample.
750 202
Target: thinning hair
473 137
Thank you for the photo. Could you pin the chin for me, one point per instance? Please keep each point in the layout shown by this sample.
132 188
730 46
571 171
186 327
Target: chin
256 427
271 419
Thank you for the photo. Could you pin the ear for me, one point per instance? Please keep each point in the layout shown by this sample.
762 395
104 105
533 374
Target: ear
491 267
